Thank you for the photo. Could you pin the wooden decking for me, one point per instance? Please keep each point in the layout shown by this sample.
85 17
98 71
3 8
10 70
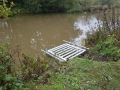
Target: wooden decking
66 51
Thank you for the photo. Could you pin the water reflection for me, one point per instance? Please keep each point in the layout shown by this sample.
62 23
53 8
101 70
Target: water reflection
3 24
85 24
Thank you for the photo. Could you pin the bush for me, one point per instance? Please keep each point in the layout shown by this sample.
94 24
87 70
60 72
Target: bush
108 49
7 80
17 68
106 39
4 10
44 6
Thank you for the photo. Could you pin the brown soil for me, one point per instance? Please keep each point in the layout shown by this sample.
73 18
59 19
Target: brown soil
96 57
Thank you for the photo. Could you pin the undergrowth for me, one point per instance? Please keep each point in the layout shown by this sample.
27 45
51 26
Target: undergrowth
105 41
8 81
18 68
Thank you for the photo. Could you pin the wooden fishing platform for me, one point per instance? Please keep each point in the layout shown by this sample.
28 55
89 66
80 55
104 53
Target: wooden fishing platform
66 51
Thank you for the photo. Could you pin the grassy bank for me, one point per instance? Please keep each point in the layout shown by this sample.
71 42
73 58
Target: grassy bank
84 74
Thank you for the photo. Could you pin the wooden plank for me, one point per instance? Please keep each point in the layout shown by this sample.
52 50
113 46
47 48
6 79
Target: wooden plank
66 54
65 51
55 48
61 59
76 54
71 55
73 50
76 45
60 49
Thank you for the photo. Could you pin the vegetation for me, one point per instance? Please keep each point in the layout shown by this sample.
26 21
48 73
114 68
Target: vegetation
108 2
52 6
17 68
42 6
4 10
106 39
7 80
84 74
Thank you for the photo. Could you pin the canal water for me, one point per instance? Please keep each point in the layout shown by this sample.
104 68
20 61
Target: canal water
36 32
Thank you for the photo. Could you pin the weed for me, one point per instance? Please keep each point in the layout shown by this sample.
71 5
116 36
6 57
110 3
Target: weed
7 80
16 68
110 26
106 40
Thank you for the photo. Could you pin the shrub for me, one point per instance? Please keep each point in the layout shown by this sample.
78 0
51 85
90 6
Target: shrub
106 39
107 48
7 80
4 10
16 68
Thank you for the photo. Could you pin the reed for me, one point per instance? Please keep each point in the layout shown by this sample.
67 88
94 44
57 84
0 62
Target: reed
110 26
106 39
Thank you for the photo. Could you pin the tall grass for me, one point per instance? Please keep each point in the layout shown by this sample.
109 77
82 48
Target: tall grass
110 26
106 39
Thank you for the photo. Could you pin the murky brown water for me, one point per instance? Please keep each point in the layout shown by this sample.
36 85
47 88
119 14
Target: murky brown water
38 32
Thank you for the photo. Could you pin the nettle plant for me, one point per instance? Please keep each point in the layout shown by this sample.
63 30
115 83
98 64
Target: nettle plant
18 68
7 80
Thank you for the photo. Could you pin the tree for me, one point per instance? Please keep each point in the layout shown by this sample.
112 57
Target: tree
85 2
107 2
44 6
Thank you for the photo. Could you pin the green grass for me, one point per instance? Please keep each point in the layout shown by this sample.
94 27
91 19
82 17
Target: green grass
84 74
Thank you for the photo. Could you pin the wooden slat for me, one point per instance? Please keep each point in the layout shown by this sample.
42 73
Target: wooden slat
61 49
66 54
65 51
77 54
74 49
57 47
71 54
